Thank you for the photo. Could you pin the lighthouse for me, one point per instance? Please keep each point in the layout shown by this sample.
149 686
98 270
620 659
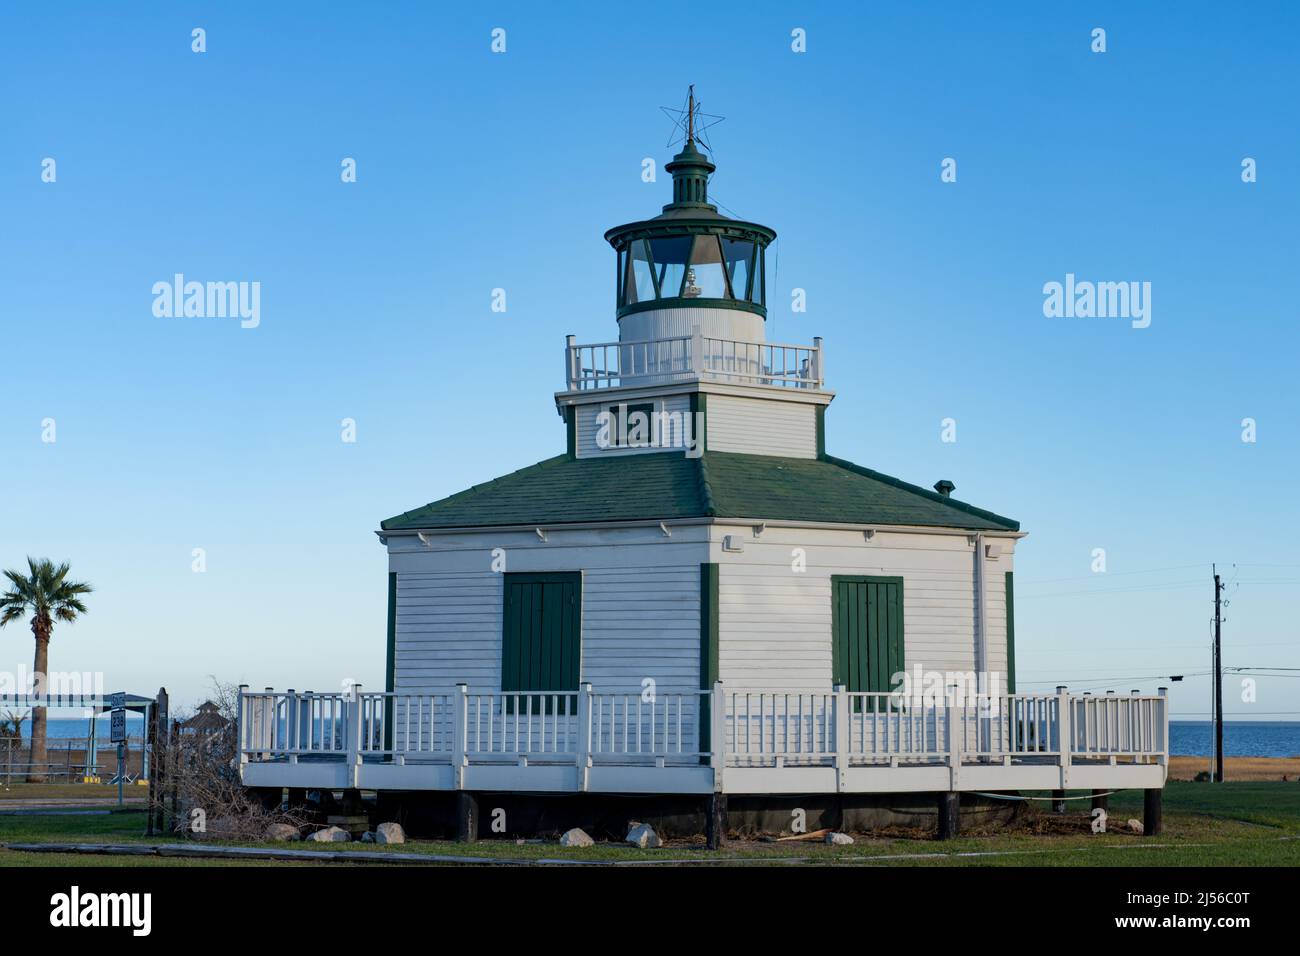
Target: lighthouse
695 527
694 597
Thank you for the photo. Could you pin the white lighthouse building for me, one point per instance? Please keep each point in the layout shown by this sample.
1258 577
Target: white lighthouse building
695 599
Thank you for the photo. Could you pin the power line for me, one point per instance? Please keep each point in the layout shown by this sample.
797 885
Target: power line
1155 587
1139 587
1255 713
1116 574
1090 681
1102 681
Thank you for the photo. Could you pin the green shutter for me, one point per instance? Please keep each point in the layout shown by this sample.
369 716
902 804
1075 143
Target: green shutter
700 416
1011 633
708 646
541 639
866 632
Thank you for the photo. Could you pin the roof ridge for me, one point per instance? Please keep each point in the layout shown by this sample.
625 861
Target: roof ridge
706 492
923 492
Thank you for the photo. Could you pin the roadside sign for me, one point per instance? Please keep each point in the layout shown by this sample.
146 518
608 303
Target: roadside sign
117 719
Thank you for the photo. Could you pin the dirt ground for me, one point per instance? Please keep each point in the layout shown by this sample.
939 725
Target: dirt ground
1238 768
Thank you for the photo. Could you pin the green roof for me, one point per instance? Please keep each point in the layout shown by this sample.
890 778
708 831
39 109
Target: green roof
667 485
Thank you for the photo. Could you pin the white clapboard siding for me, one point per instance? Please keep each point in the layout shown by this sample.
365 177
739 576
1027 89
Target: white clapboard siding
775 622
640 609
640 606
448 630
762 426
588 426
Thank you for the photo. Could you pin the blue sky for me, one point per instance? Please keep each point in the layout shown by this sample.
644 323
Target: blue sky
479 170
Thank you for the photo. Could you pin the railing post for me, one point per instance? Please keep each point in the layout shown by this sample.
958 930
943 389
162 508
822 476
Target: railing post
571 361
717 734
1065 733
818 366
353 737
584 736
270 720
956 724
241 727
1163 757
460 734
291 724
841 699
1134 726
697 352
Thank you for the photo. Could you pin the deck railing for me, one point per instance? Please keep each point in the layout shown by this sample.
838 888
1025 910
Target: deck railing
472 727
689 357
731 728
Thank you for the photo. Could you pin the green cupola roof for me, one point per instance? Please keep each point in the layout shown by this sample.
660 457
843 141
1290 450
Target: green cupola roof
691 170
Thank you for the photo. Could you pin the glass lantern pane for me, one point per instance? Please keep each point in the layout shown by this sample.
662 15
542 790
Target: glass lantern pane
638 286
620 273
706 279
670 257
740 263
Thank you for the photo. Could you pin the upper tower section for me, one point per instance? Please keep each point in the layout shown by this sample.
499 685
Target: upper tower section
691 293
691 268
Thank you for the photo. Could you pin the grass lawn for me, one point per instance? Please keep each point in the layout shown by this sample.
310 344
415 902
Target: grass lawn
1232 824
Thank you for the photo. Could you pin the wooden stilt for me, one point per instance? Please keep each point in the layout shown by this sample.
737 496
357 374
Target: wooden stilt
716 824
1153 812
466 817
949 815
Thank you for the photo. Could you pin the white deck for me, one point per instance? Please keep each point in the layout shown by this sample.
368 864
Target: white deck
791 742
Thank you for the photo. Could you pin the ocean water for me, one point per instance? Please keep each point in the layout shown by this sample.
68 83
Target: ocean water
1241 738
77 729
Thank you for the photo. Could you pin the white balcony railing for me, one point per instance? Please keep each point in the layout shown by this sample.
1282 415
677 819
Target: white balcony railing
710 732
689 358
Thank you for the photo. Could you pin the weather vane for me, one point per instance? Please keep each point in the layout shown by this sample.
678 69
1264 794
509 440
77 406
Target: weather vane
690 123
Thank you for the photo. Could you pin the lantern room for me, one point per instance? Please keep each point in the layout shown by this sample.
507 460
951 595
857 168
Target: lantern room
691 267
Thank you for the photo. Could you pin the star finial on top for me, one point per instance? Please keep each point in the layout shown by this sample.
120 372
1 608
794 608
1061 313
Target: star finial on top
690 123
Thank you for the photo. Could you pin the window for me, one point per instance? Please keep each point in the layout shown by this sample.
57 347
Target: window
670 257
620 274
706 279
541 646
740 266
638 285
704 266
629 426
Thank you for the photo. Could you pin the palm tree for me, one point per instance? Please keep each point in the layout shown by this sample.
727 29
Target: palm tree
46 594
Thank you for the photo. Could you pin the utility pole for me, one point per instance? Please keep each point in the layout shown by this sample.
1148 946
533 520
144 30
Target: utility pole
1218 677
